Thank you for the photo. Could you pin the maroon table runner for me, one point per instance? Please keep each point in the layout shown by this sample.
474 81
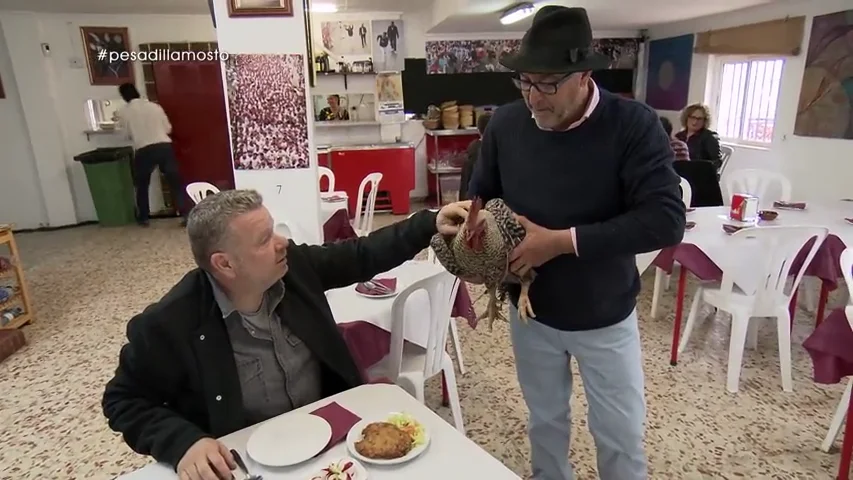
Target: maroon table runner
831 348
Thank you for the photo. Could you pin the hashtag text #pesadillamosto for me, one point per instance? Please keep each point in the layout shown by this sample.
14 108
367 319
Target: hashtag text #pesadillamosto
162 55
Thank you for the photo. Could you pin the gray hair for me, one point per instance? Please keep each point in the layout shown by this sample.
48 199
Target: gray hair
208 222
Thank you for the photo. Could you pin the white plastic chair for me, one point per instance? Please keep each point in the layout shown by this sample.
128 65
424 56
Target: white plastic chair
841 411
454 330
662 278
364 209
409 365
644 260
198 190
775 250
329 174
726 152
757 182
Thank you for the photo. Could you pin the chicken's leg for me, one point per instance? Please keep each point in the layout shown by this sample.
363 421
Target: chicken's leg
492 312
525 310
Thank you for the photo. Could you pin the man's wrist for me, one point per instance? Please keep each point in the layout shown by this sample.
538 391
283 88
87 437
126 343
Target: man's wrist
565 241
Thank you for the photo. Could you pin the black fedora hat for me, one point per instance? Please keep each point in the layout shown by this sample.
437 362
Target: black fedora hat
559 41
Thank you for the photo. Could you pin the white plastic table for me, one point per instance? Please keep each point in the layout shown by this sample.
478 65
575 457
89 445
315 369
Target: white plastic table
450 455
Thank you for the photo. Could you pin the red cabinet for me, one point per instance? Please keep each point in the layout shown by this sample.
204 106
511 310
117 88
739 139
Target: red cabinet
396 163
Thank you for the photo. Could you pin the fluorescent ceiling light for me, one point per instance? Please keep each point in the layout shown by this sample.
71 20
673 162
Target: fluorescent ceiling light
517 13
324 8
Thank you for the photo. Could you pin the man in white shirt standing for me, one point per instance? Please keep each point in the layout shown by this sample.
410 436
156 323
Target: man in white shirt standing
149 128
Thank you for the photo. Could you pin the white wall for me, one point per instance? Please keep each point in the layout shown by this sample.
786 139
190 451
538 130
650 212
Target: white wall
21 201
820 169
42 115
53 93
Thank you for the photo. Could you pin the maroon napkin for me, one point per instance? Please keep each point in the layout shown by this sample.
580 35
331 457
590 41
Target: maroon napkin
794 205
340 419
689 225
390 283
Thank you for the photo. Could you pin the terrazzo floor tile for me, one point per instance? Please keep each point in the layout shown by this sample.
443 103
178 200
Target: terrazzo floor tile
88 281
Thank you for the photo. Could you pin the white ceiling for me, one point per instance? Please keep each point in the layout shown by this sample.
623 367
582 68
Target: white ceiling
484 15
470 16
182 6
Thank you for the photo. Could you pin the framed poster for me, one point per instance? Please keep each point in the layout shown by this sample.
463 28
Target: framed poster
107 51
260 8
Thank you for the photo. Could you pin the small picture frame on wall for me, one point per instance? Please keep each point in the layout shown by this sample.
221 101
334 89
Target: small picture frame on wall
107 55
260 8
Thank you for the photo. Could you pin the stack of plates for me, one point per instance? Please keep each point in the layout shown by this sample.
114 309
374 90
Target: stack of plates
466 116
450 115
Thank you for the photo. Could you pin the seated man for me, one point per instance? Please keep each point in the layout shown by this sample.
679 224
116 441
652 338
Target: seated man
247 335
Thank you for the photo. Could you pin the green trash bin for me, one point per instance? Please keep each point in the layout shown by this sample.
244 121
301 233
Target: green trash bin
111 184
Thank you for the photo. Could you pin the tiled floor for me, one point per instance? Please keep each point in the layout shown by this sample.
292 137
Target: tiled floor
88 281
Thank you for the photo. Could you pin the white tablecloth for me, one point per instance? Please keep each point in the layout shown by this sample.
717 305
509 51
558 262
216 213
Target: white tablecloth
449 456
709 237
327 208
347 306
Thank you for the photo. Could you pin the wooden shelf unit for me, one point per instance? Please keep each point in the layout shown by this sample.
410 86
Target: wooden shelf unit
21 297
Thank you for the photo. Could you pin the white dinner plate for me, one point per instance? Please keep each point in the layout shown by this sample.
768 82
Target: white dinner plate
354 436
289 439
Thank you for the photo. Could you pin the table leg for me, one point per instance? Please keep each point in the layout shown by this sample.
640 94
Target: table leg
679 310
792 307
445 398
846 445
821 303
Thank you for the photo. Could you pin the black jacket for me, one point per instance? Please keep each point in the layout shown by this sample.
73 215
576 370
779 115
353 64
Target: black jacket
704 145
468 168
177 381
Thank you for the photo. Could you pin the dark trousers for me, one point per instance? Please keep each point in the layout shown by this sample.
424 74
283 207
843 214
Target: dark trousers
162 156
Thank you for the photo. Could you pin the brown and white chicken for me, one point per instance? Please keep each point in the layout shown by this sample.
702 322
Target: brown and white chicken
480 254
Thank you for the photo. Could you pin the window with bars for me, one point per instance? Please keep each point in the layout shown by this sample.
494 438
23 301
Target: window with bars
747 94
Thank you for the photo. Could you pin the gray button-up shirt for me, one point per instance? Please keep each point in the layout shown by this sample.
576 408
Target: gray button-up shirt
277 371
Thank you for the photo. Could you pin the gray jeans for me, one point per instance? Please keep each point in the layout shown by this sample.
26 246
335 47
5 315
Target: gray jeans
610 364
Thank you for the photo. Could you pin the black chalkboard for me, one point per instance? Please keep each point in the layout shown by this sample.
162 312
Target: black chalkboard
421 90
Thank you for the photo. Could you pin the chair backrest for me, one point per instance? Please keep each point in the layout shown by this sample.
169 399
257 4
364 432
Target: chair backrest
441 289
704 185
198 190
776 250
364 208
755 181
847 271
644 260
726 152
329 174
686 192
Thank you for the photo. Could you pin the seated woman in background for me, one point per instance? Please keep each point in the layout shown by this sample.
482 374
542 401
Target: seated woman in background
473 153
703 143
678 147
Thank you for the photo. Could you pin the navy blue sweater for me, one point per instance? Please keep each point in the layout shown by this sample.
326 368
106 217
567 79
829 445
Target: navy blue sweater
611 178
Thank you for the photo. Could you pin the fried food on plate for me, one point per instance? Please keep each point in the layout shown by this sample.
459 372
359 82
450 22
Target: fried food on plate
383 440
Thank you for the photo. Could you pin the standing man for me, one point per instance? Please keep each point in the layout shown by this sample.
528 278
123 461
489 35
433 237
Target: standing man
149 129
590 176
393 35
362 32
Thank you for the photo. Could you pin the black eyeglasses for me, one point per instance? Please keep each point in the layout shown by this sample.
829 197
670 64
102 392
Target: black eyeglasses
547 88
